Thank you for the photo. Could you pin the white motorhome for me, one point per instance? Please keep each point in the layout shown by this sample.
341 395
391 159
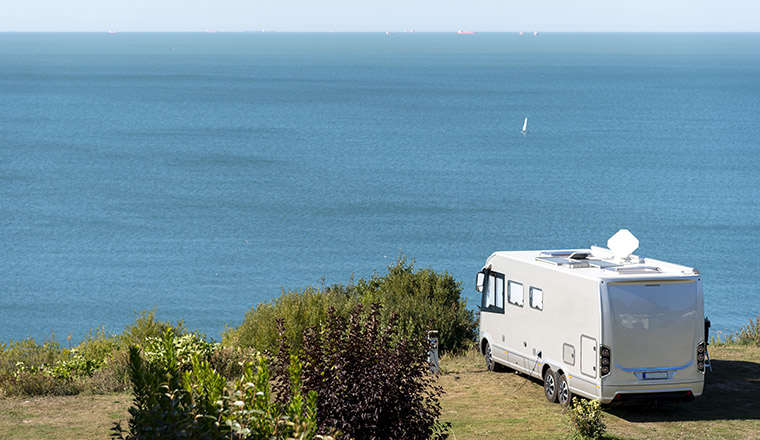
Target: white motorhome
599 323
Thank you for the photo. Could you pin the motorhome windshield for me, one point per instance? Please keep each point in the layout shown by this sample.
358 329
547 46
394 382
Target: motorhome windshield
655 321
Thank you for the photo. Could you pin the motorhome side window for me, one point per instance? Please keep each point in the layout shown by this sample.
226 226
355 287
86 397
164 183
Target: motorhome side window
493 293
536 298
516 293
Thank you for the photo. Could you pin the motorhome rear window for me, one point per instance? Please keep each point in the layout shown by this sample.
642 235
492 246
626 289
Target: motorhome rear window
660 313
515 293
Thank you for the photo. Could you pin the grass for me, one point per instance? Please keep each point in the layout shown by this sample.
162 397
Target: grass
62 417
485 405
479 404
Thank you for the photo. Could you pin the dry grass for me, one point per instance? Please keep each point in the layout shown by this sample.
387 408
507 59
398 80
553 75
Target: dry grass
62 417
484 405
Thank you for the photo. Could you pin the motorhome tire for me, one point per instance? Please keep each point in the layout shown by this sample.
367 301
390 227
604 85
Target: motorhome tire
550 385
563 391
491 364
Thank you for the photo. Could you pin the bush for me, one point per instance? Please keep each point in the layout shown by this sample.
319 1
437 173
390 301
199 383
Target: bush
185 348
421 299
750 333
39 383
587 419
229 361
28 353
196 404
98 364
64 373
371 381
299 310
147 326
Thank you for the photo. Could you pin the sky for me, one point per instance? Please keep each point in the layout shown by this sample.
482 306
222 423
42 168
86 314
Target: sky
381 15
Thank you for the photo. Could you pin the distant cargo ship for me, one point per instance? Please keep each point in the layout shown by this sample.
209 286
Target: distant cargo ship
461 32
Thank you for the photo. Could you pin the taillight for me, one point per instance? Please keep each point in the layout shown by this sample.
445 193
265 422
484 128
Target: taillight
605 360
701 357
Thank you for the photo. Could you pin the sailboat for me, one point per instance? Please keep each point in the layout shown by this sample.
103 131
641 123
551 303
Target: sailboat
525 126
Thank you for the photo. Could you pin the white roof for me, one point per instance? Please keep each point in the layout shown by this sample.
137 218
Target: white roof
599 263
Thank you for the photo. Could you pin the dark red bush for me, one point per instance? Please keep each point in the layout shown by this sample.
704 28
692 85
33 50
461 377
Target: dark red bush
371 383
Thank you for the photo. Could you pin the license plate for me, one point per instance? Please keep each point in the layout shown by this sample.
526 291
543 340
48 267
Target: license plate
653 375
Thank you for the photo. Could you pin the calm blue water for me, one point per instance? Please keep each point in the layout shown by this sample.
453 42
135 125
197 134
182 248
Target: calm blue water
201 173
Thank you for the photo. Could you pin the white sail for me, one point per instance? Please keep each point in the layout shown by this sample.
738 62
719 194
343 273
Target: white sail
525 126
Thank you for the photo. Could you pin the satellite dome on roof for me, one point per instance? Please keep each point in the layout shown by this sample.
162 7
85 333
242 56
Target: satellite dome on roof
622 244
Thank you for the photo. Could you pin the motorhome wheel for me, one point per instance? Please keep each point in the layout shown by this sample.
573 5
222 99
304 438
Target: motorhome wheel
550 385
491 364
563 391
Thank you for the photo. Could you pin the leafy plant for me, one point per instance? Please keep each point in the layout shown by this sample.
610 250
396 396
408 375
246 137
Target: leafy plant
298 309
372 382
422 300
185 348
587 418
192 401
97 364
750 333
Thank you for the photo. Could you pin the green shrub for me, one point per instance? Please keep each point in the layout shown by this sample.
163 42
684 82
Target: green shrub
185 348
421 299
196 404
750 333
147 326
39 383
97 364
229 361
298 309
587 419
65 374
28 353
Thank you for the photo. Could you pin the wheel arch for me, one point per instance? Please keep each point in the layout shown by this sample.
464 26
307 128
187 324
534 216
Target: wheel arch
482 345
544 368
557 369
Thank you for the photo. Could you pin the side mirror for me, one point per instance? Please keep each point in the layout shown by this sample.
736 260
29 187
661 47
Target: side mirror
479 281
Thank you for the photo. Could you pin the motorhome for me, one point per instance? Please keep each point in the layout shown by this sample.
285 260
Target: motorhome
599 322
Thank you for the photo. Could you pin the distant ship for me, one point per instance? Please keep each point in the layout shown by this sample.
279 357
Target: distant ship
111 32
210 31
525 126
461 32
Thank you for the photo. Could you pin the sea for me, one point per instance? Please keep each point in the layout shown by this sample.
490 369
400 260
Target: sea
200 174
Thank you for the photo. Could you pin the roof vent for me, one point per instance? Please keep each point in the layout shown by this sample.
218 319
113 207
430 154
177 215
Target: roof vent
635 269
580 255
622 244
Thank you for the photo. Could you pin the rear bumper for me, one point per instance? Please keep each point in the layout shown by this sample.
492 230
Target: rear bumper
637 398
677 392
